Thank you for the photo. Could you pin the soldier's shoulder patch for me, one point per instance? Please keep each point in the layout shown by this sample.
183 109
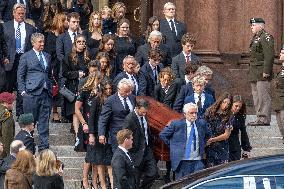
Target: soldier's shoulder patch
268 37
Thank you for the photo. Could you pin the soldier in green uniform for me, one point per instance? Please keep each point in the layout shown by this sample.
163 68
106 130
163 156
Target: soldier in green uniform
260 71
7 123
278 100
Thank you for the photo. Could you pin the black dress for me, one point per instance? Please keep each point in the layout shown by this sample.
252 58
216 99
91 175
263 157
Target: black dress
168 96
123 46
91 43
48 182
238 123
71 72
50 48
97 154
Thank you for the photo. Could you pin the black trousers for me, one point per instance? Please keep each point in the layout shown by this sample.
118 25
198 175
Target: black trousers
12 85
147 171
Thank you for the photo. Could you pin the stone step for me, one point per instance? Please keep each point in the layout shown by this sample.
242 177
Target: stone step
256 152
58 139
266 142
66 151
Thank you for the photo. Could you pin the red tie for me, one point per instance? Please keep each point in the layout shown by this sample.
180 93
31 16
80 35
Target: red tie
187 59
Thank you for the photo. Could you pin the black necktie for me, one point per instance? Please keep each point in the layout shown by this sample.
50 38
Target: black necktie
199 102
155 74
126 107
173 28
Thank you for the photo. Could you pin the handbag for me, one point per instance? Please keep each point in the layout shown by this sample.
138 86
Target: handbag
69 95
55 87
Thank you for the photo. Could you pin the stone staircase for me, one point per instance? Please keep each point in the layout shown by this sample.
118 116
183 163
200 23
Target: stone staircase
265 140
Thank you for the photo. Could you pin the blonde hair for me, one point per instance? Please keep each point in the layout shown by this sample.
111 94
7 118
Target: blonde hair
92 83
199 80
91 20
46 163
106 10
116 7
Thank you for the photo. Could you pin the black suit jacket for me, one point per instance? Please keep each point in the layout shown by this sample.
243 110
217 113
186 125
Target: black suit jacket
142 54
169 98
63 46
112 117
123 171
4 166
132 123
147 80
9 37
119 77
32 76
178 64
27 139
173 41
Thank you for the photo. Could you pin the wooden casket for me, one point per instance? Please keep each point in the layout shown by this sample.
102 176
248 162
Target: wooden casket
159 115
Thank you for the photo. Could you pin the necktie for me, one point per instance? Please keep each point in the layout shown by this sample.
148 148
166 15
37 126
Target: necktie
155 74
41 60
74 36
126 107
191 140
173 29
143 129
18 39
187 59
135 87
199 102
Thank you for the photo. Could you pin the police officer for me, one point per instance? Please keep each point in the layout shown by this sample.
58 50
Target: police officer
278 100
260 71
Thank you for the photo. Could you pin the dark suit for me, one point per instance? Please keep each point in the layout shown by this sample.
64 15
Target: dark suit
122 171
166 98
141 153
175 136
112 118
146 79
63 46
4 166
35 80
7 11
209 100
173 41
3 53
27 139
122 75
187 90
178 63
142 54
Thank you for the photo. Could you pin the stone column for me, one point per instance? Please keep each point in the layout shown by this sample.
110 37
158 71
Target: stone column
202 20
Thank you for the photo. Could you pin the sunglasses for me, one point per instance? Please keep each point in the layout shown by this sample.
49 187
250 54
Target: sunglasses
82 42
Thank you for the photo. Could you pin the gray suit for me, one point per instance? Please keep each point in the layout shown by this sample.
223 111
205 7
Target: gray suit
35 80
178 63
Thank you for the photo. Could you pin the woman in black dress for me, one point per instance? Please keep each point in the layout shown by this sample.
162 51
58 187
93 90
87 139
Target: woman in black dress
88 93
104 67
124 44
218 116
99 154
238 120
153 24
58 27
74 67
94 33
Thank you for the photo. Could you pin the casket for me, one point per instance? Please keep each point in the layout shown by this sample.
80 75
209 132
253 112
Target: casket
159 115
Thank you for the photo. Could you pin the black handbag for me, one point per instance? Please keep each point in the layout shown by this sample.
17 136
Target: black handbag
69 95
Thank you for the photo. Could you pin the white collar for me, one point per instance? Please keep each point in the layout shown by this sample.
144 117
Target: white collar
123 149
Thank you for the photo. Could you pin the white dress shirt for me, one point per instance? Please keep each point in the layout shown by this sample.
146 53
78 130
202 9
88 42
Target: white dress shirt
144 124
196 99
23 33
174 24
71 35
127 101
126 152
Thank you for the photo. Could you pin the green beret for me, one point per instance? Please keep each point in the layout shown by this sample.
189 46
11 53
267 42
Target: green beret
256 20
26 119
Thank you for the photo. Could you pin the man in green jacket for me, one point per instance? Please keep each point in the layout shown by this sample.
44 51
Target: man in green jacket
7 123
260 71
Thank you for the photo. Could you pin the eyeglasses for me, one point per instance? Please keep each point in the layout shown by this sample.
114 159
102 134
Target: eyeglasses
192 113
82 42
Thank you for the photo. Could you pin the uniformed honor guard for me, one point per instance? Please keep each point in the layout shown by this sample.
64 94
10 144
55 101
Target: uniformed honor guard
260 71
7 123
278 100
26 122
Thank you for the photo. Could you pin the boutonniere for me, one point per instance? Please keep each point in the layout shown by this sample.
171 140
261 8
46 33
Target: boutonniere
7 113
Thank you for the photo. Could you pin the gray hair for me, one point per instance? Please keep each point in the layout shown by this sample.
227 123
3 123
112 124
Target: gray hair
19 5
168 4
129 57
187 106
155 33
204 70
36 36
15 146
125 82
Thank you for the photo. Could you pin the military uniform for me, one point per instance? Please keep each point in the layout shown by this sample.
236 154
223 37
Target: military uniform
27 139
7 129
262 58
278 101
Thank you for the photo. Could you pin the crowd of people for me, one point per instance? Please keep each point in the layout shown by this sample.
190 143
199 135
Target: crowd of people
86 68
